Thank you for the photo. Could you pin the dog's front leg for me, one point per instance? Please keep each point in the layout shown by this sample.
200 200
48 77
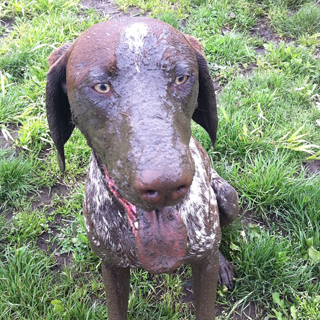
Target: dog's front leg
205 277
116 282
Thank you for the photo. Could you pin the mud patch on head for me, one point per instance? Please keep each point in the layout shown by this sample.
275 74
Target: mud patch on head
135 35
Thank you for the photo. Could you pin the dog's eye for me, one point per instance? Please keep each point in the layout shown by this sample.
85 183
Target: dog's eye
181 80
102 87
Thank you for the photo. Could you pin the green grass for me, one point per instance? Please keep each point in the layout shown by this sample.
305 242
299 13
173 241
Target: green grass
269 119
16 180
32 290
11 9
157 8
167 287
292 60
306 21
265 267
27 225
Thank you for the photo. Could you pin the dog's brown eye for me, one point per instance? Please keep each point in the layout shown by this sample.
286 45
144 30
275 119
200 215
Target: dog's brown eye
102 87
181 80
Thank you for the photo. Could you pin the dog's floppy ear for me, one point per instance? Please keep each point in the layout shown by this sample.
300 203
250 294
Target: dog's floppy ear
206 112
57 104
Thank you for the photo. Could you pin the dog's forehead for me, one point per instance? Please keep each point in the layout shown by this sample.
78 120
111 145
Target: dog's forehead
135 30
134 36
104 42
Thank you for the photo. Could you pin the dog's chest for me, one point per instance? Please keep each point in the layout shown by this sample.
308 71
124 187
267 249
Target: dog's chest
110 234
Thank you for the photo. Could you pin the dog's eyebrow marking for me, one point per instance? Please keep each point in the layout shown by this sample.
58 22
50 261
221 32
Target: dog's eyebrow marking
135 35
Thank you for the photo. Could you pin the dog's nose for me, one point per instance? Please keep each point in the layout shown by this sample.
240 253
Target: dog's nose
158 191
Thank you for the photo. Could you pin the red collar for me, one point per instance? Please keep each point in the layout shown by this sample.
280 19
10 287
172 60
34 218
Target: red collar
130 208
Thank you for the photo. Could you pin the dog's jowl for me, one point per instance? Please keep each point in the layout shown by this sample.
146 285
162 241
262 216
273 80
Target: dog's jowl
152 201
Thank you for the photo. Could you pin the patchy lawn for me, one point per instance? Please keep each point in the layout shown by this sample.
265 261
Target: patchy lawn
264 61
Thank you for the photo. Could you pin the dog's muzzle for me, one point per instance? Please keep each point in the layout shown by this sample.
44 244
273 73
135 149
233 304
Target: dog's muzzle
160 235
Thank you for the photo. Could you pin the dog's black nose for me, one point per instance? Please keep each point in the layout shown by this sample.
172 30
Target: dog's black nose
156 190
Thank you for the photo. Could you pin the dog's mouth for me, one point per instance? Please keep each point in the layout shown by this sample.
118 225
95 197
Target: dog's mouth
160 235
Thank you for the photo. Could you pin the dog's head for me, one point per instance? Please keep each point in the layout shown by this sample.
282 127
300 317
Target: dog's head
132 87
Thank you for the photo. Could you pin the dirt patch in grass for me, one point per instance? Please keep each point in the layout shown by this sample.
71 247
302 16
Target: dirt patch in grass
46 244
45 241
106 7
248 217
109 8
8 136
263 30
313 167
45 195
251 311
6 26
247 70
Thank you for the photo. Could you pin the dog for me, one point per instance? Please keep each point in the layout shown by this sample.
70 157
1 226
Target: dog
132 87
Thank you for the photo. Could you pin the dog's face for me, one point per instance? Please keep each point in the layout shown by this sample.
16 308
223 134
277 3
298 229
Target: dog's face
132 92
132 87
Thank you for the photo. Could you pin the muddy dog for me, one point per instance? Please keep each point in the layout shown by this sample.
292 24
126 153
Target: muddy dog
132 87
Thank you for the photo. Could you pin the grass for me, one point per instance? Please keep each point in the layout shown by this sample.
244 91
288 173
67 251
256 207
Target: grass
303 22
32 290
16 179
157 8
269 119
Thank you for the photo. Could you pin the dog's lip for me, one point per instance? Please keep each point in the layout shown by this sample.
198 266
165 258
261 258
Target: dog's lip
130 208
161 240
133 214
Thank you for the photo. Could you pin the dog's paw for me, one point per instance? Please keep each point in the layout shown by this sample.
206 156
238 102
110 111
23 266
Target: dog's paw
226 272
